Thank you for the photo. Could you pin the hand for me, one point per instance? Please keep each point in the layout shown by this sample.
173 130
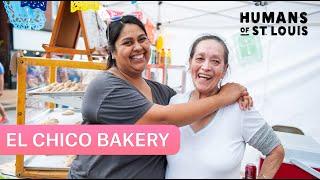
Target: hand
231 92
245 102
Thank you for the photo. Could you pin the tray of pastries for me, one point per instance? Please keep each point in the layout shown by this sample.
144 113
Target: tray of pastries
67 88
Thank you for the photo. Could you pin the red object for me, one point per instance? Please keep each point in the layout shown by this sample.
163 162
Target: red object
290 171
138 14
250 171
150 28
113 13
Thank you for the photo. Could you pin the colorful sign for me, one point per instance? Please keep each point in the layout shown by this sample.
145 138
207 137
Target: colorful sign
84 5
24 17
35 4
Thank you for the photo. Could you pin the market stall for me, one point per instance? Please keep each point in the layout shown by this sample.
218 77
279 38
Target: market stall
283 80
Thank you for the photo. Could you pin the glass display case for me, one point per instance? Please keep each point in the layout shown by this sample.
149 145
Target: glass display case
55 103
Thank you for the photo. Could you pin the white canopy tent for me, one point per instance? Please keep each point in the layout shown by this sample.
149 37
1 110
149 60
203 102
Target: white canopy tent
285 83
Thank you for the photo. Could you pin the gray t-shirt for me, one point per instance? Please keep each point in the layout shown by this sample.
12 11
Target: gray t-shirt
111 100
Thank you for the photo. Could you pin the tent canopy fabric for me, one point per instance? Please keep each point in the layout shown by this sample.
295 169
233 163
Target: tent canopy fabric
285 84
213 14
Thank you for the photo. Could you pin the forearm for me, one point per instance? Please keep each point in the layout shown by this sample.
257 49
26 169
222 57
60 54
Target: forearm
182 114
187 113
271 163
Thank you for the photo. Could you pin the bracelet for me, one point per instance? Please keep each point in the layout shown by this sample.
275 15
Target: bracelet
262 176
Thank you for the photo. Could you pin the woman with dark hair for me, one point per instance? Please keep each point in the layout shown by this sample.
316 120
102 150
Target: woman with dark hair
213 147
121 95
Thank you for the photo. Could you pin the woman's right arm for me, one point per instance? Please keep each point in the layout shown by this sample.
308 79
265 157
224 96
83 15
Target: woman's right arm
187 113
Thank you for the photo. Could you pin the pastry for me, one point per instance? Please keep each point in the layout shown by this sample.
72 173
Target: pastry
67 86
50 121
68 112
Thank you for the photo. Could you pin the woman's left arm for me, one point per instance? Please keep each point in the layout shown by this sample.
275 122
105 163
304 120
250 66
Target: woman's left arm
271 163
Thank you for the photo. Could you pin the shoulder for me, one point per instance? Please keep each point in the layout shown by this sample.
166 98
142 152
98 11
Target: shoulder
106 85
158 85
106 77
107 81
244 117
180 98
235 109
109 99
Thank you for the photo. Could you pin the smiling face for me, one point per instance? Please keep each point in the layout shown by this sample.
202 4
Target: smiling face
207 66
132 50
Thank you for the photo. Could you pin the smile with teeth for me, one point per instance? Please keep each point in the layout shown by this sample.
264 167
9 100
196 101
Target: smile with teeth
137 57
204 76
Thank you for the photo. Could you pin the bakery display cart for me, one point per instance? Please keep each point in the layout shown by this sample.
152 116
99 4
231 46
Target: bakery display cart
55 97
51 166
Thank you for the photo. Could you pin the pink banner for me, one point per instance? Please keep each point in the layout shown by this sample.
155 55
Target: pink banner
89 139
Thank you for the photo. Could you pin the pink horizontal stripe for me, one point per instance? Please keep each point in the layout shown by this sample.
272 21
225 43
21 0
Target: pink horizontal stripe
89 139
